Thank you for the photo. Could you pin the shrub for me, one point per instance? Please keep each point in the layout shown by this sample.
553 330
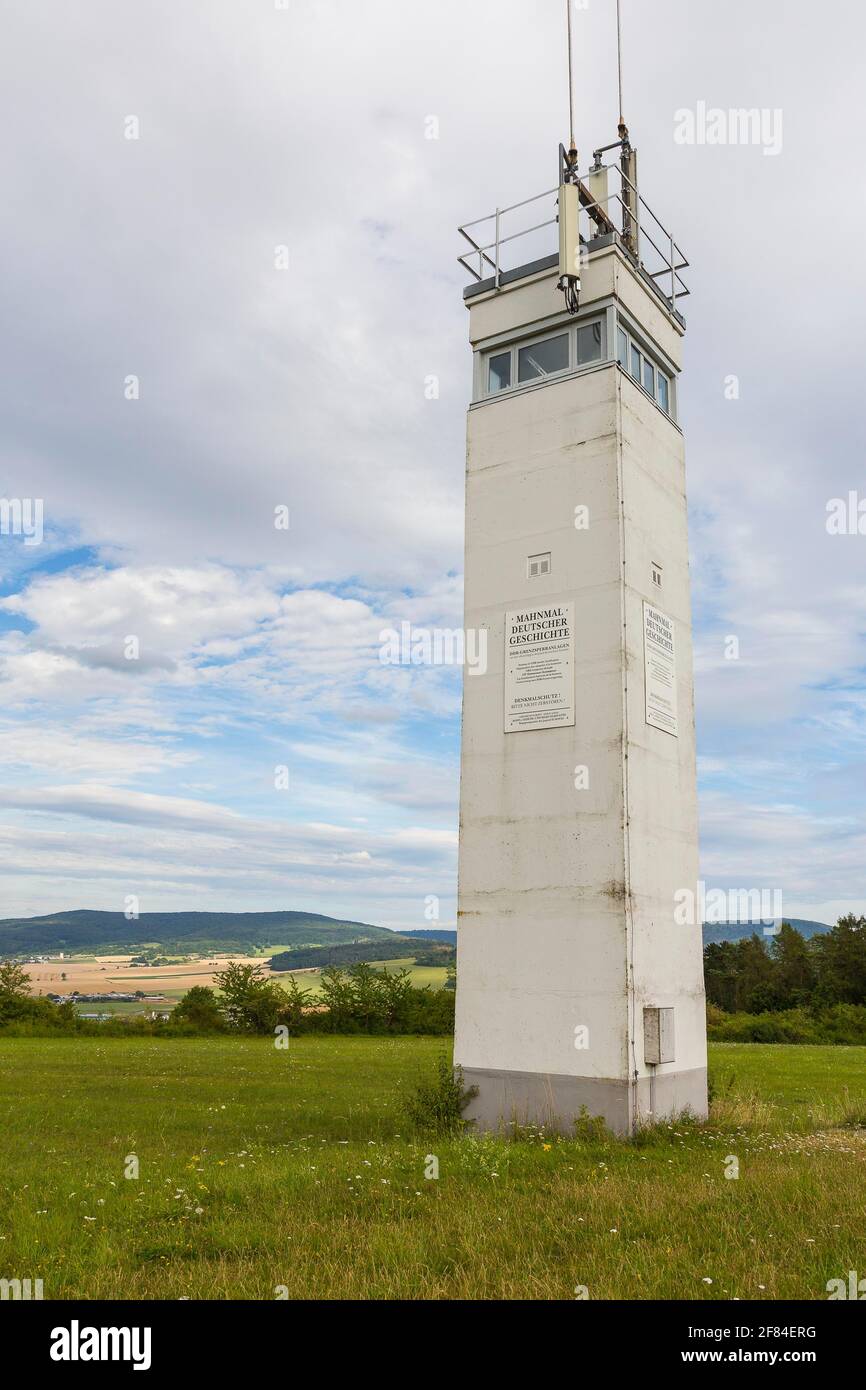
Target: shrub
590 1129
843 1024
437 1105
200 1009
250 1003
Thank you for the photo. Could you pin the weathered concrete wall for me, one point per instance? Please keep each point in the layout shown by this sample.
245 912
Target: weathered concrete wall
662 830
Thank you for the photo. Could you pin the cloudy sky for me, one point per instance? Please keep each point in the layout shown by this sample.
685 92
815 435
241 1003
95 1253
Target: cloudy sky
273 261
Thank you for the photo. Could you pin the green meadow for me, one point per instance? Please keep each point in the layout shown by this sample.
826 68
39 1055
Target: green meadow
265 1173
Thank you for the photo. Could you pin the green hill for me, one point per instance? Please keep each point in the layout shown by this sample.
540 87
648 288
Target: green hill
177 932
341 954
715 932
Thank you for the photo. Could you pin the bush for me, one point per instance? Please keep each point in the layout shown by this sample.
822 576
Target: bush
199 1008
843 1024
250 1003
437 1105
590 1129
363 1000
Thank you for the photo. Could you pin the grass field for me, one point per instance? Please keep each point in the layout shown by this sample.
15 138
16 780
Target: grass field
261 1168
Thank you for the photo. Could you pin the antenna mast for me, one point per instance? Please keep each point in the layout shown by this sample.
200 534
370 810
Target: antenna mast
569 199
571 147
623 128
627 159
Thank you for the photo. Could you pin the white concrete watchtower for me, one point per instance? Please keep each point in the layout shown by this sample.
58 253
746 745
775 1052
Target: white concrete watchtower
578 808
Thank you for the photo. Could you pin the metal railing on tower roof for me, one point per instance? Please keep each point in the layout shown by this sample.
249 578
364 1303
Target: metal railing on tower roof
641 234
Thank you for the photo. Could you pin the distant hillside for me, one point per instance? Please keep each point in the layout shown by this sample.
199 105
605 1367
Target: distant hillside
181 932
343 953
715 932
396 947
445 934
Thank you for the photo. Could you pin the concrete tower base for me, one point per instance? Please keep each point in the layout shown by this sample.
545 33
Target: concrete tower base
509 1098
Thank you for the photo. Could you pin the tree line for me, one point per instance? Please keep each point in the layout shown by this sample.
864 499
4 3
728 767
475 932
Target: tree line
771 974
356 1000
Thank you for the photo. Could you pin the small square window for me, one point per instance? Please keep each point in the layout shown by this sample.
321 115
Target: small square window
537 565
499 372
622 348
664 394
589 343
657 575
543 359
649 378
635 363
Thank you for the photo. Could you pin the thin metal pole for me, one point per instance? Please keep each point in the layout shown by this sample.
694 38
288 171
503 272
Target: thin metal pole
570 78
619 60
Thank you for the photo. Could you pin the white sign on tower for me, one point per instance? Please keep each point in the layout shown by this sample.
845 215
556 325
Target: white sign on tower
660 669
539 668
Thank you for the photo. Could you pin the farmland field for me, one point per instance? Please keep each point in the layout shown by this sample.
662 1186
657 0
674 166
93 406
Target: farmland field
102 974
261 1169
96 974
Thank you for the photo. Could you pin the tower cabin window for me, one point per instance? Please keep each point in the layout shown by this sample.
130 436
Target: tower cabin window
499 372
589 342
622 348
543 359
521 364
643 370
